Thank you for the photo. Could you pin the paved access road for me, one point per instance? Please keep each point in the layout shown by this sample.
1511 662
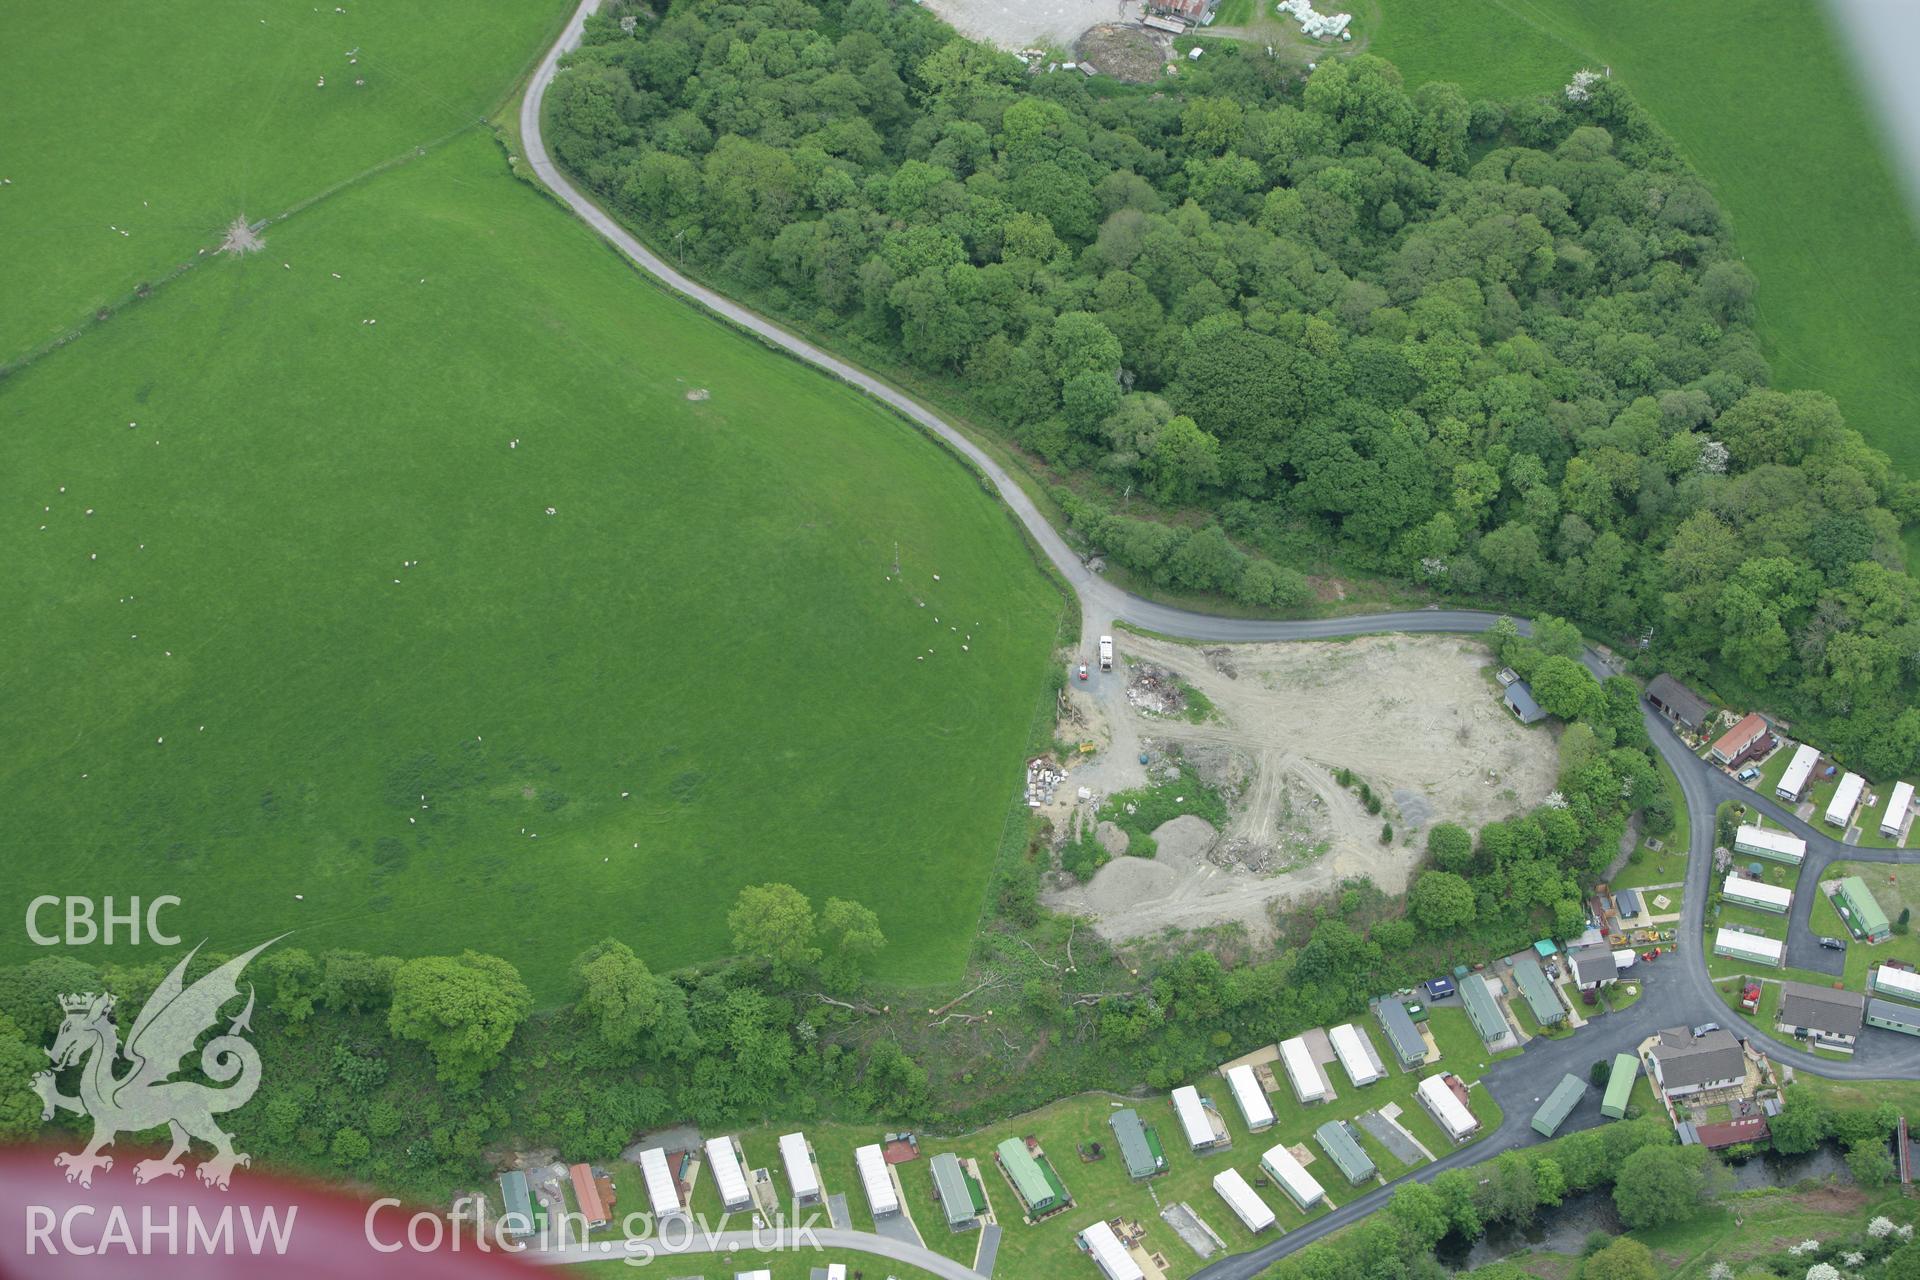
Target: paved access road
1679 994
750 1244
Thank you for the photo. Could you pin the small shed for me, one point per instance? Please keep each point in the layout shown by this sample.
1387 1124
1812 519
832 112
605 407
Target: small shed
1519 699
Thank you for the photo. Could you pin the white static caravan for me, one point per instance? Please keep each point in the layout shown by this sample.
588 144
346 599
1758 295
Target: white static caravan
1193 1118
1897 805
1846 798
878 1180
1243 1200
836 1271
1300 1186
1757 894
663 1190
1794 781
1760 842
1356 1054
1749 946
1251 1097
1308 1085
728 1178
802 1175
1447 1111
1109 1254
1901 983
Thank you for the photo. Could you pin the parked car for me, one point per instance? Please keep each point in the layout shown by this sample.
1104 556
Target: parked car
1748 774
1083 671
1833 944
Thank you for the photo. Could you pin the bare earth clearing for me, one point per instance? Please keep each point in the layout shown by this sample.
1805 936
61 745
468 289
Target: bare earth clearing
1019 24
1412 716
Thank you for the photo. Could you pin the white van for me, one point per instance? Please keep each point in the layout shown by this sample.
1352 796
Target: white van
1106 653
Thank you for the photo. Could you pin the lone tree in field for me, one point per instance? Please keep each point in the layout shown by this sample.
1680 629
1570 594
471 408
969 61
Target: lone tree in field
852 933
774 923
465 1009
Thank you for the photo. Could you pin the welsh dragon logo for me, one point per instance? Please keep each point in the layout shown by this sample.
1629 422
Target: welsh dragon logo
146 1096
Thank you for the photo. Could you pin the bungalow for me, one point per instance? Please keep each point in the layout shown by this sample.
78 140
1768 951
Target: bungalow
1846 798
728 1177
1747 739
1678 703
882 1196
1139 1146
1903 984
1519 699
1408 1044
1109 1254
1241 1198
1752 947
1895 816
1593 967
803 1173
1684 1063
1444 1105
1761 842
1291 1177
1302 1071
1338 1142
1626 1070
1559 1105
1862 911
1793 783
1356 1053
1540 995
1893 1017
1483 1011
1252 1099
1757 894
954 1190
1821 1014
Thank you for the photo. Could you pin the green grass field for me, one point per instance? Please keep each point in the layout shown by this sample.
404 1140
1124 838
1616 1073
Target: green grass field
166 120
653 653
1761 98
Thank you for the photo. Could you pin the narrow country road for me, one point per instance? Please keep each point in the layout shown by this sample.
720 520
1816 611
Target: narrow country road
657 1253
1679 994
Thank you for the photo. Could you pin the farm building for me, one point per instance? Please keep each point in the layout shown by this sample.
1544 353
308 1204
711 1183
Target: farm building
1760 842
1198 1120
587 1196
1753 947
1757 894
1252 1099
663 1189
1519 700
1626 1069
1846 798
1408 1044
803 1174
1819 1013
1860 910
1559 1104
1292 1178
1741 743
518 1203
1357 1054
954 1190
1483 1011
729 1179
1139 1145
1304 1074
1451 1114
1893 1017
1592 967
1903 984
882 1198
1678 703
1246 1205
1540 996
1039 1191
1338 1142
1684 1063
1109 1254
1898 803
1793 783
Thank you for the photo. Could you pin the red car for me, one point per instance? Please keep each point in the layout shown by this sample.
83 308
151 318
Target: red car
1083 671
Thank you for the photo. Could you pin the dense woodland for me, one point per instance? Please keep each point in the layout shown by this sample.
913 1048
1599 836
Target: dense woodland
1256 324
